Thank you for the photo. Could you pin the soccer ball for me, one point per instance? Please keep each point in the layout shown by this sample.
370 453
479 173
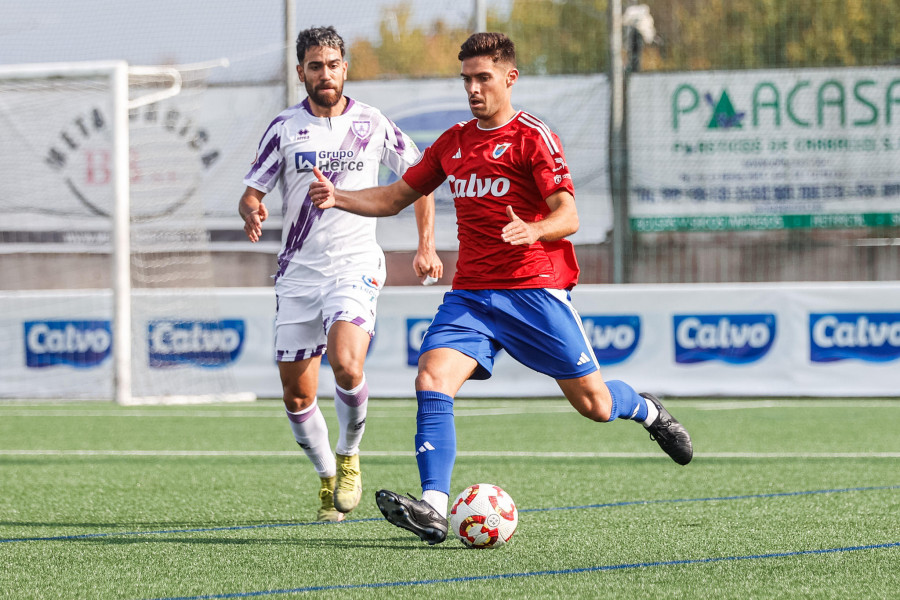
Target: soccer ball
483 516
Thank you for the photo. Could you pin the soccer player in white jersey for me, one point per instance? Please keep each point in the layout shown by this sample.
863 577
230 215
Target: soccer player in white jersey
515 205
330 268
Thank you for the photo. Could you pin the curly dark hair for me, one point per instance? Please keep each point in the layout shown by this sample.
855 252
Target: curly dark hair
318 36
496 45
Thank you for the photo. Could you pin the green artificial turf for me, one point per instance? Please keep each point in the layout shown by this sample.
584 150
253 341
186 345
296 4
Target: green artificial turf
789 499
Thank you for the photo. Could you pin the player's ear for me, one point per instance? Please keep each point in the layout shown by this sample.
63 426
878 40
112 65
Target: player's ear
345 70
511 77
300 74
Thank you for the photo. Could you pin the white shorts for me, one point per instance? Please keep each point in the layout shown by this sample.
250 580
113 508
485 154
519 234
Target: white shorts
302 321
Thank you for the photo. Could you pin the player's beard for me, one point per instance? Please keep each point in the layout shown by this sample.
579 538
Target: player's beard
325 97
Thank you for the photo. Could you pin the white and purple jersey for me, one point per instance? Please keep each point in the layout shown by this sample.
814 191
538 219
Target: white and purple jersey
348 149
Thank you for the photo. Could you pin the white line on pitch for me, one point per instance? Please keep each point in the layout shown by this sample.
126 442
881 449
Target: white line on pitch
462 410
275 413
817 404
140 413
463 453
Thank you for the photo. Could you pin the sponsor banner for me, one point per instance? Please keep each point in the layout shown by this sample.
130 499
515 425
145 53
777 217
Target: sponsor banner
765 222
614 338
56 344
767 149
815 339
733 339
80 344
189 155
871 337
415 334
205 344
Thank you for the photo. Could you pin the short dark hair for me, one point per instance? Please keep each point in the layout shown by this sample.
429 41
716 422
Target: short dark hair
318 36
496 45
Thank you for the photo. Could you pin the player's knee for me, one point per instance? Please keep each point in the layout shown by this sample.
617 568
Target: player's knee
426 380
296 399
347 375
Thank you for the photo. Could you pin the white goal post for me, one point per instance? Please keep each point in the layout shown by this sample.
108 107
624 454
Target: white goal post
121 92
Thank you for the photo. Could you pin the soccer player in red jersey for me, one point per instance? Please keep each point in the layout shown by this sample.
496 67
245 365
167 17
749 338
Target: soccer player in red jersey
515 205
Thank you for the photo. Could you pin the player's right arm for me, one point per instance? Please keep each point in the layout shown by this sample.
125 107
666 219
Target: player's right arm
380 201
253 212
264 172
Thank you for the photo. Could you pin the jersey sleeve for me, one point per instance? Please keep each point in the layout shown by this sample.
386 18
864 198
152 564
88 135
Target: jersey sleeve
551 173
400 151
428 174
269 161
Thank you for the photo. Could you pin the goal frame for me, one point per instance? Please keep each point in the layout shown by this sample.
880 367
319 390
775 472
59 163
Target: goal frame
117 72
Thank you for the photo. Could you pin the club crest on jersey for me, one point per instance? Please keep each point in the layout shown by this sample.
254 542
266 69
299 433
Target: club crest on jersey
499 150
361 129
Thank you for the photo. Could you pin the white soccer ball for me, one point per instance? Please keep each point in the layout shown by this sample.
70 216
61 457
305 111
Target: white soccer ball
483 516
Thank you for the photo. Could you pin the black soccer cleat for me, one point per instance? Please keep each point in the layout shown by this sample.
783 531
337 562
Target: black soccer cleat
671 435
413 515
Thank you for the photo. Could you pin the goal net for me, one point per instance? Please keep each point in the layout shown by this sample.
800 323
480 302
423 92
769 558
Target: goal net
104 259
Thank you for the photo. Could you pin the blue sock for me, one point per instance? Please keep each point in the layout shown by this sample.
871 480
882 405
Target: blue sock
626 403
435 440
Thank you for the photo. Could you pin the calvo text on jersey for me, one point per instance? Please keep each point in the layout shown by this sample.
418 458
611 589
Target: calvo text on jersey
478 187
328 161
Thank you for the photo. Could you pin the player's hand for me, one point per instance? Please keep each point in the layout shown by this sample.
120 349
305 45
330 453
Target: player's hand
253 222
517 232
428 267
321 191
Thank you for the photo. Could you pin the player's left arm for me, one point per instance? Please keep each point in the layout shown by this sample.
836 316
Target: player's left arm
562 221
427 264
400 152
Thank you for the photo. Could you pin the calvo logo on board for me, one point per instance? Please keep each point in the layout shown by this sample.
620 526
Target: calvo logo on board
735 339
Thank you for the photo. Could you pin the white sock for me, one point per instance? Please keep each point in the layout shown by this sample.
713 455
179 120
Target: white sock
351 407
311 433
652 413
437 500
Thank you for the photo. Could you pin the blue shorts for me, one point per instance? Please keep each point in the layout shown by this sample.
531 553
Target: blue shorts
538 327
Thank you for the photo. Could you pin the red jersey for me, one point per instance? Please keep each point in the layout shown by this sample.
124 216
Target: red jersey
518 164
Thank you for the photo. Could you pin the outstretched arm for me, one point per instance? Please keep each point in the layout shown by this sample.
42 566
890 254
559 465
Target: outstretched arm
561 222
253 212
381 201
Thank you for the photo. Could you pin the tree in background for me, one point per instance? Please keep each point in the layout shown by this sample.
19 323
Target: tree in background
570 37
407 51
748 34
558 37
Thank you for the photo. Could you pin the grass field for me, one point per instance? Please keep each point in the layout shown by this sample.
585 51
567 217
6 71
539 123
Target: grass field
784 499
